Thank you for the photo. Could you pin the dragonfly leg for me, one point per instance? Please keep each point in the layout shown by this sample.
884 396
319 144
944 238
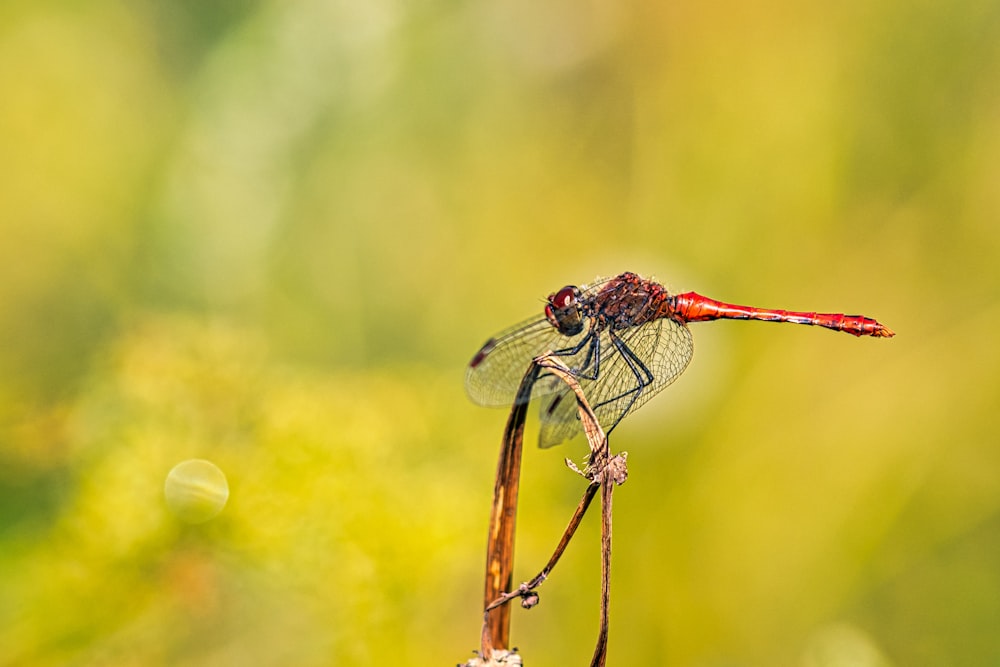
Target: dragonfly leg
643 378
593 358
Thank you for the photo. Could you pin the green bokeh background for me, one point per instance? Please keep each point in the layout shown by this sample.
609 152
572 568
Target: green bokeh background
271 234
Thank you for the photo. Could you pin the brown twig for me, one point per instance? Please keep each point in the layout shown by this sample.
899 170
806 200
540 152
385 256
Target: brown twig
500 543
526 590
601 470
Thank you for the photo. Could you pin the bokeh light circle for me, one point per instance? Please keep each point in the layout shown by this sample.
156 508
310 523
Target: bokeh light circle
196 490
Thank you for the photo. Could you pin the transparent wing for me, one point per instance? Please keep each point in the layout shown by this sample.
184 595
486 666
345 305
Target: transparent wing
495 373
663 347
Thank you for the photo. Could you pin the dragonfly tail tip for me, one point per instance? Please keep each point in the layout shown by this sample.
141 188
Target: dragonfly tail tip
884 332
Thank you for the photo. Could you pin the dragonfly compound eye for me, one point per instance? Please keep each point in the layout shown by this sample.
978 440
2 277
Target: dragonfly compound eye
563 311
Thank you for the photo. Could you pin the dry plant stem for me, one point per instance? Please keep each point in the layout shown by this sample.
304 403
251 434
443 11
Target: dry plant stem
598 447
500 542
601 471
604 471
601 650
574 523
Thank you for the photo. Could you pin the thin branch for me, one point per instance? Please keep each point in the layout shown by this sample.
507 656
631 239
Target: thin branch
503 516
601 470
527 589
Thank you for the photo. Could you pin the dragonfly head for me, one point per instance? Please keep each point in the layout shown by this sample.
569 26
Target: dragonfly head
563 311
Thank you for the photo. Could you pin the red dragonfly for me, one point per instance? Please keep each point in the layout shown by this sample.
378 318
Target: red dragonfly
625 338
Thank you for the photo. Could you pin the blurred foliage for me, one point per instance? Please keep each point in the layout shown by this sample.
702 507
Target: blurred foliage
271 235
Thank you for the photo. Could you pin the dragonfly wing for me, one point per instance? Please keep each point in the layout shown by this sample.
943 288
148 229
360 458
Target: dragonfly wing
495 373
663 347
558 416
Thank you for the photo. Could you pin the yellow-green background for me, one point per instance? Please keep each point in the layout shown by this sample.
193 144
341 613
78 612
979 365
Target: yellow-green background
271 234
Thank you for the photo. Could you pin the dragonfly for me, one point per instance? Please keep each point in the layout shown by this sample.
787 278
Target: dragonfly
624 339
